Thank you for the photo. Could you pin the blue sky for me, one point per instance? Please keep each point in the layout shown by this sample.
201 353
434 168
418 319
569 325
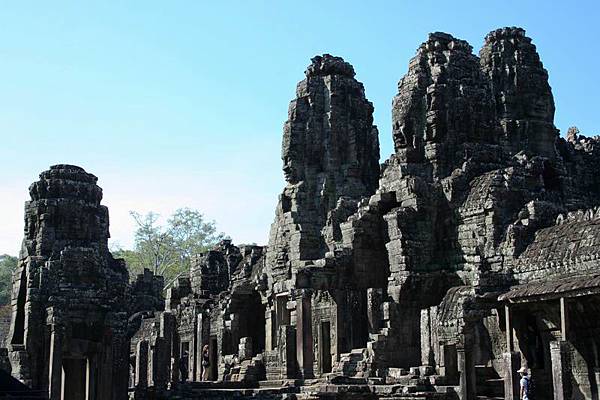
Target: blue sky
182 103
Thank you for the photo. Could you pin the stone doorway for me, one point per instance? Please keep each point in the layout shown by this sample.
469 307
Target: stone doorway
325 347
212 358
74 387
185 352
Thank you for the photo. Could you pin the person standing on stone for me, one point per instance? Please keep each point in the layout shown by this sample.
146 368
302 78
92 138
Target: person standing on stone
205 362
526 392
183 366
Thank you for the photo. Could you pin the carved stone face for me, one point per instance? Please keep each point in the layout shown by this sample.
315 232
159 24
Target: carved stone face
290 169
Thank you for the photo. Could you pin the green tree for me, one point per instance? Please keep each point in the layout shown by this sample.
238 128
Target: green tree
7 267
154 244
168 249
191 234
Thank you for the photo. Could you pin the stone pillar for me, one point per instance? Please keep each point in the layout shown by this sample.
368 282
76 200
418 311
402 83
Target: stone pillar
174 362
512 363
192 357
234 319
245 349
462 366
564 319
448 363
159 363
427 353
304 335
141 364
510 343
167 330
270 329
55 364
560 380
105 372
466 369
200 342
286 347
90 379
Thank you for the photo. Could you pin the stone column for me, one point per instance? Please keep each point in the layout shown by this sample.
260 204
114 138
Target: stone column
159 363
174 356
200 342
90 378
245 349
270 330
194 350
510 344
106 371
286 346
564 319
141 365
304 335
466 369
427 351
448 363
234 319
462 366
512 363
167 330
55 364
560 380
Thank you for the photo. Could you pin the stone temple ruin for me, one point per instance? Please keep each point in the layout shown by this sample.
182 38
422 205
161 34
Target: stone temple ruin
473 251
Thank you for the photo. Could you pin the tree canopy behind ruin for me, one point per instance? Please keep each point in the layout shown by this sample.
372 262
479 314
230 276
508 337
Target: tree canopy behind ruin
167 249
7 266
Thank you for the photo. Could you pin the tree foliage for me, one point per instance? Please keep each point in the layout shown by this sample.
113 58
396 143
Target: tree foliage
7 267
168 249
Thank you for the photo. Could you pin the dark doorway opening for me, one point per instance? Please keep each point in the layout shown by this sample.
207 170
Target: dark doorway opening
255 323
325 347
74 379
212 358
185 354
359 322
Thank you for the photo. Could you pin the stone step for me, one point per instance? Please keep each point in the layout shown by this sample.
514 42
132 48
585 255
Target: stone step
279 383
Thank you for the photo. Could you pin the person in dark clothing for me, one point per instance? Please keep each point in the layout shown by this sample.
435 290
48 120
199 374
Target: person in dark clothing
183 366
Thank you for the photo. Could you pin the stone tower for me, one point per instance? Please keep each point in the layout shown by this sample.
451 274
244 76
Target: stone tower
443 111
522 96
330 158
69 318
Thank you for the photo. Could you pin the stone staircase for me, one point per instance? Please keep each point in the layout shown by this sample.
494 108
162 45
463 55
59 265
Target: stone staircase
489 385
252 370
356 364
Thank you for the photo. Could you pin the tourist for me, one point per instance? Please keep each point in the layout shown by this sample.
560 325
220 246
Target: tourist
526 387
205 362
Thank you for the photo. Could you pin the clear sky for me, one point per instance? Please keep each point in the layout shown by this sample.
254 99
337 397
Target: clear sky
181 103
